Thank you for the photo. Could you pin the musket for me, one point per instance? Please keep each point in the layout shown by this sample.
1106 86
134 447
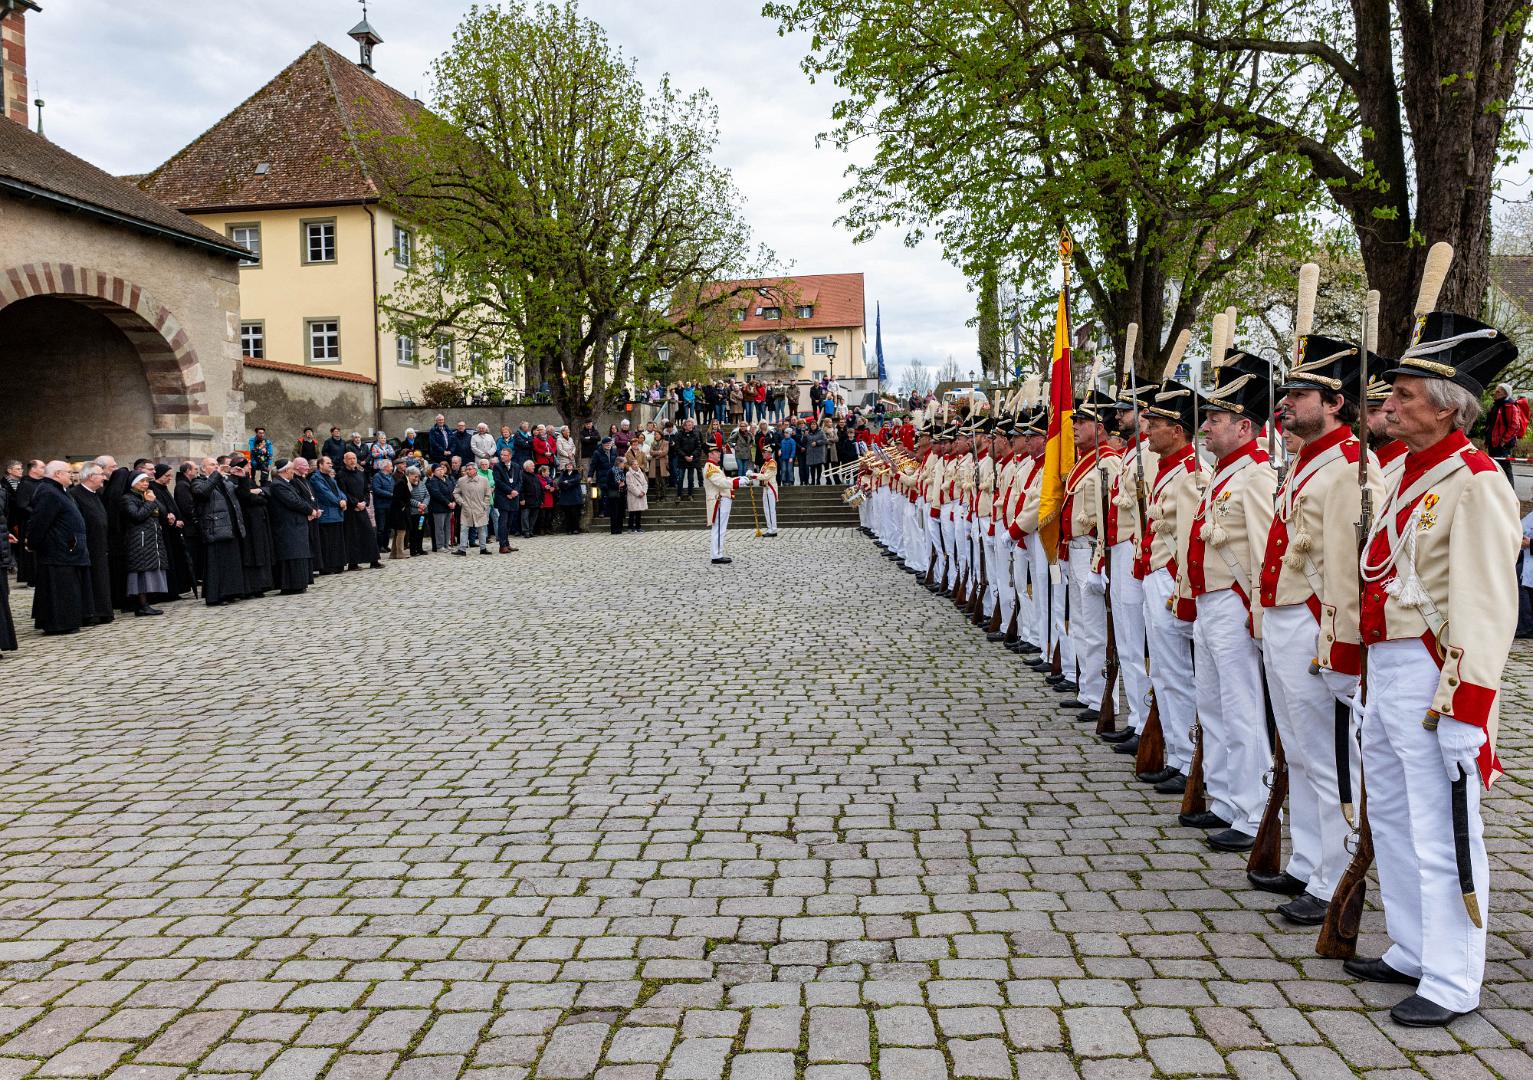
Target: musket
1265 855
1194 796
1107 710
1151 756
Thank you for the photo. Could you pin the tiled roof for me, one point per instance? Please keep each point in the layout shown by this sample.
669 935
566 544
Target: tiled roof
837 300
305 126
1513 275
30 163
302 369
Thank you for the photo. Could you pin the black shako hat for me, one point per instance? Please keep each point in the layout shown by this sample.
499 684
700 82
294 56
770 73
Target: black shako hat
1238 362
1326 363
1131 396
1096 406
1247 396
1456 348
1175 402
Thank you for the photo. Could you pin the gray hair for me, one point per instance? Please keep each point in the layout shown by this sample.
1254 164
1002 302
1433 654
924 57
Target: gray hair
53 468
1446 395
413 471
101 462
88 471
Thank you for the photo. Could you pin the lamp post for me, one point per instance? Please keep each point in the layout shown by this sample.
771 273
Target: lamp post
830 351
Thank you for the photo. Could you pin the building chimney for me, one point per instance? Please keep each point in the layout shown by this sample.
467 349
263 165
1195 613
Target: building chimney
365 36
13 59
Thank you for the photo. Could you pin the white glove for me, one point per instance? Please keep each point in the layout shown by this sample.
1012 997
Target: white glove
1094 585
1460 745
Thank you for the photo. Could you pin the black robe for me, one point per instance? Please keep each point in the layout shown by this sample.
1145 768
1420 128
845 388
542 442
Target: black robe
191 535
7 624
307 491
111 497
94 513
219 509
289 509
256 551
56 533
178 577
361 537
19 514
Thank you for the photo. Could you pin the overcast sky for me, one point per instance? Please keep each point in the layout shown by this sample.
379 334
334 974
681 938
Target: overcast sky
127 85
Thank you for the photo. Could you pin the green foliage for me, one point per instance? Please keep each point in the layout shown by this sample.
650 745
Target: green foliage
576 218
443 394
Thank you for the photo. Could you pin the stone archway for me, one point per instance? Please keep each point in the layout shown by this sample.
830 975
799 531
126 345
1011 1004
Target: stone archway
179 422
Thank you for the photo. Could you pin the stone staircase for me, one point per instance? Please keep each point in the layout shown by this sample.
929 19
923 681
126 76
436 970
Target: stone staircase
813 506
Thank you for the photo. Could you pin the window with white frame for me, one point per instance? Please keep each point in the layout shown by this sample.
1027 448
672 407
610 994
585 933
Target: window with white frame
771 313
511 370
444 353
805 311
739 314
439 258
404 247
249 238
819 345
324 340
253 340
750 346
319 241
404 350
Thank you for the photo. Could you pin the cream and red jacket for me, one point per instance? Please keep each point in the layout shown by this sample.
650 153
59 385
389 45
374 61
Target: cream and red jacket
1083 493
1441 566
1139 466
1026 491
1230 527
717 484
931 482
768 475
984 480
1173 502
1311 551
961 485
1006 473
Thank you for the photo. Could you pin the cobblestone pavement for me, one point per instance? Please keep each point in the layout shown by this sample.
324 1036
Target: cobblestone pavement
600 808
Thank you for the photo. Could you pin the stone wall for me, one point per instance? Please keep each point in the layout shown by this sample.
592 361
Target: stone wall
285 402
176 305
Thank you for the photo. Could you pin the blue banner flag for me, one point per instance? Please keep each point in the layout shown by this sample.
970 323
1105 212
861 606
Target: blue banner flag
878 343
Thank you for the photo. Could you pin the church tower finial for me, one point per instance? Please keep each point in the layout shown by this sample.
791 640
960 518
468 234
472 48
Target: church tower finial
365 36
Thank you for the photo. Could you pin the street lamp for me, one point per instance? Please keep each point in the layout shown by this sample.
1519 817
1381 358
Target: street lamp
830 351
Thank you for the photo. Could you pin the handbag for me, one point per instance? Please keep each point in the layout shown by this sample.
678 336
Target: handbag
731 464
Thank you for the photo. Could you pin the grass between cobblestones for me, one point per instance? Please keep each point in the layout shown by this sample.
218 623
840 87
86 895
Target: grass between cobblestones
600 808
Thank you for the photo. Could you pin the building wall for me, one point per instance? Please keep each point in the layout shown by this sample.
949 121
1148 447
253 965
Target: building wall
185 298
13 66
285 403
283 292
849 359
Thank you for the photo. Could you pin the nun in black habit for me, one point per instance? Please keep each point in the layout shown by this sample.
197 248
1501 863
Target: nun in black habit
87 496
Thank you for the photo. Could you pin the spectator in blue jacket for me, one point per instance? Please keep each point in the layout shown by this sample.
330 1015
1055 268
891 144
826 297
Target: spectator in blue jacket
331 557
787 454
521 445
383 497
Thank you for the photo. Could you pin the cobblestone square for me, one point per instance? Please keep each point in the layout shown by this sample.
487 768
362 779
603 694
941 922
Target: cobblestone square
598 808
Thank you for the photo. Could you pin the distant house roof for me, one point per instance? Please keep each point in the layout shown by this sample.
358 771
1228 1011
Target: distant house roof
1513 275
837 300
33 167
295 142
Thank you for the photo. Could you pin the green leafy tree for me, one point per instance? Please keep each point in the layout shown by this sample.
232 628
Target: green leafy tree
573 214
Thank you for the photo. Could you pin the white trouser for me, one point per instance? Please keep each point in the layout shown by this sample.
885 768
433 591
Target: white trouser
1038 576
1021 571
918 540
1410 810
1059 618
950 565
938 543
769 508
1128 633
1088 620
1004 575
995 567
1170 668
1231 710
865 513
961 546
1302 706
720 525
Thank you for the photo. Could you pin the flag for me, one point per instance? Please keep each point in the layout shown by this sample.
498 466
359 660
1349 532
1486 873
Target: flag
878 343
1059 452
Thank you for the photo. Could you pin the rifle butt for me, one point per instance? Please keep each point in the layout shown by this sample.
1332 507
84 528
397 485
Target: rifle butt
1267 853
1056 665
1107 712
1194 799
1151 756
1338 934
994 625
1011 627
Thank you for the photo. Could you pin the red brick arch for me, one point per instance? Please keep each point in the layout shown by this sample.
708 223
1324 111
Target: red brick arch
176 385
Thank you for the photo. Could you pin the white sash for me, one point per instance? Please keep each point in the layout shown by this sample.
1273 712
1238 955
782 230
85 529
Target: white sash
1290 491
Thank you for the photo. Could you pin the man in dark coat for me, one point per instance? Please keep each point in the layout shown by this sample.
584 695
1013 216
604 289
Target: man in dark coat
609 481
186 514
506 479
335 447
439 440
111 497
291 511
7 624
461 442
301 470
20 516
688 445
255 546
172 529
361 539
221 526
87 496
56 535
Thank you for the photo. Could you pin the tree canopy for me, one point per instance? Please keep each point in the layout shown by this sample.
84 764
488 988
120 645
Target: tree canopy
576 218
